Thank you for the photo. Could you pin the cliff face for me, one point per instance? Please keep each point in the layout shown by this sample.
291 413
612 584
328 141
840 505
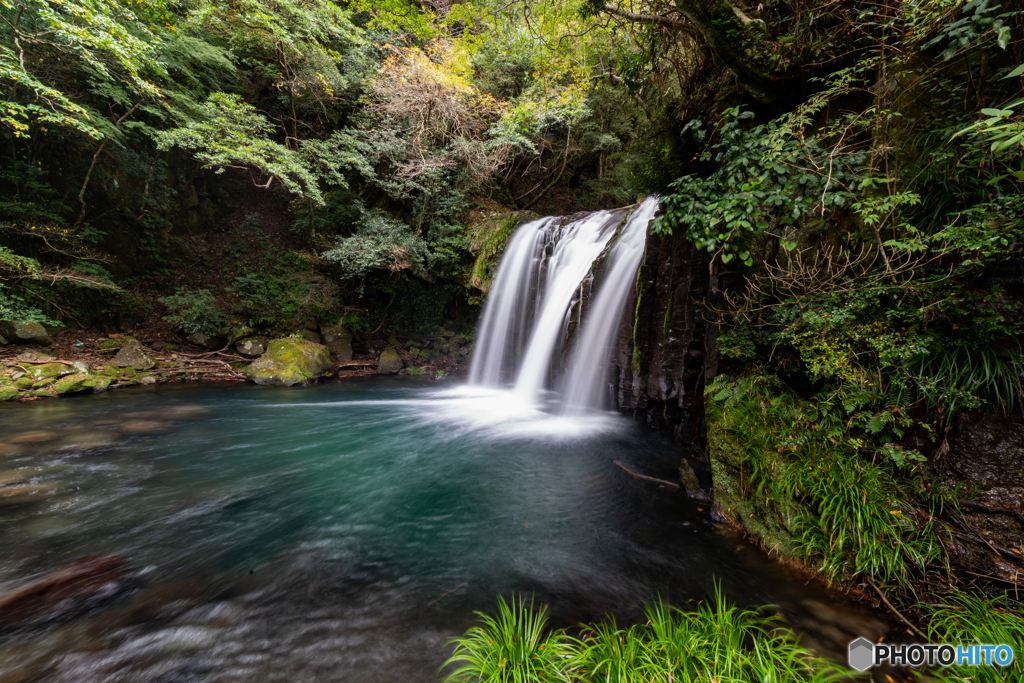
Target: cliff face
660 359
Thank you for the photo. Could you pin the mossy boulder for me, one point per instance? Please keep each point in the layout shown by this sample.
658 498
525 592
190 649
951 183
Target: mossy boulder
24 382
389 362
27 333
291 362
8 394
48 370
71 384
132 355
97 384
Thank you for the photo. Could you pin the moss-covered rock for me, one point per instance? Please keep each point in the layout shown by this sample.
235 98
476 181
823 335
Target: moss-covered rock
489 231
291 362
43 383
97 384
24 382
730 471
48 370
111 345
132 355
389 362
8 394
71 384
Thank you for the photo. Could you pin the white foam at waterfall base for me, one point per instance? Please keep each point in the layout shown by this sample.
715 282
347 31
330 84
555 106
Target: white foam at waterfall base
486 412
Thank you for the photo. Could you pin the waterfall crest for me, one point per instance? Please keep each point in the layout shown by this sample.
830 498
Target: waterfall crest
538 283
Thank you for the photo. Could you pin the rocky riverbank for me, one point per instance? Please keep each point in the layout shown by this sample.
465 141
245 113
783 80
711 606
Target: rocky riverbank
36 363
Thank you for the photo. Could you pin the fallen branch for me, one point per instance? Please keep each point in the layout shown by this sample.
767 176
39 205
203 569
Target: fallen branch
642 476
896 611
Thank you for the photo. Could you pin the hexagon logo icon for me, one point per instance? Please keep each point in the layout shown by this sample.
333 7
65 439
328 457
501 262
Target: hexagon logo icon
862 654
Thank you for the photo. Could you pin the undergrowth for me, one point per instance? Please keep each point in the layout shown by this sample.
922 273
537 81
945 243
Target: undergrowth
716 641
850 507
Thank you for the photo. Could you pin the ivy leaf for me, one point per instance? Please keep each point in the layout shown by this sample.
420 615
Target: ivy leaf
788 246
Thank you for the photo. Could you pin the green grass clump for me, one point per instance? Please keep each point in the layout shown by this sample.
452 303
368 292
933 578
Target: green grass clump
969 618
717 641
514 647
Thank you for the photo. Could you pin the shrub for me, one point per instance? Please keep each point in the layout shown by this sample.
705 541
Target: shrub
195 311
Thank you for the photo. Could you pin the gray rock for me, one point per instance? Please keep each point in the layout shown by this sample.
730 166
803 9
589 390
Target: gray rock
341 350
206 341
253 346
389 362
131 355
27 333
336 332
310 336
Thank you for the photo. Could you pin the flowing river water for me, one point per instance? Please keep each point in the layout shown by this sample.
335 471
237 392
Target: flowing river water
346 531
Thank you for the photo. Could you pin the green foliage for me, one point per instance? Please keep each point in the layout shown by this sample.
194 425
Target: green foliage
716 641
814 465
233 133
14 308
195 311
114 41
969 618
514 647
765 180
380 243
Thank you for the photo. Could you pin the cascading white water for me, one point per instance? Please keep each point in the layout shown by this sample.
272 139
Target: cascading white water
585 388
509 308
579 245
535 292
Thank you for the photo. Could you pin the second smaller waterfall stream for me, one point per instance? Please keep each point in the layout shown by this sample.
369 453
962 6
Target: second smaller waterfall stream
535 290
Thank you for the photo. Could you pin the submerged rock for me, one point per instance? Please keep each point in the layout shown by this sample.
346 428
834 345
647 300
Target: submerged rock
132 355
35 437
25 493
290 362
140 427
389 362
63 592
27 333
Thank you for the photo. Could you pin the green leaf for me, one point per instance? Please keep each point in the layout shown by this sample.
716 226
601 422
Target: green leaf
1016 72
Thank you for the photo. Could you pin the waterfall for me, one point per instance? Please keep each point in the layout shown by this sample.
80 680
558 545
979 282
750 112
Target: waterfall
528 309
509 307
592 355
578 246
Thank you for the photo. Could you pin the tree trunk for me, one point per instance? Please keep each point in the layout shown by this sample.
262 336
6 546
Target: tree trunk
739 43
